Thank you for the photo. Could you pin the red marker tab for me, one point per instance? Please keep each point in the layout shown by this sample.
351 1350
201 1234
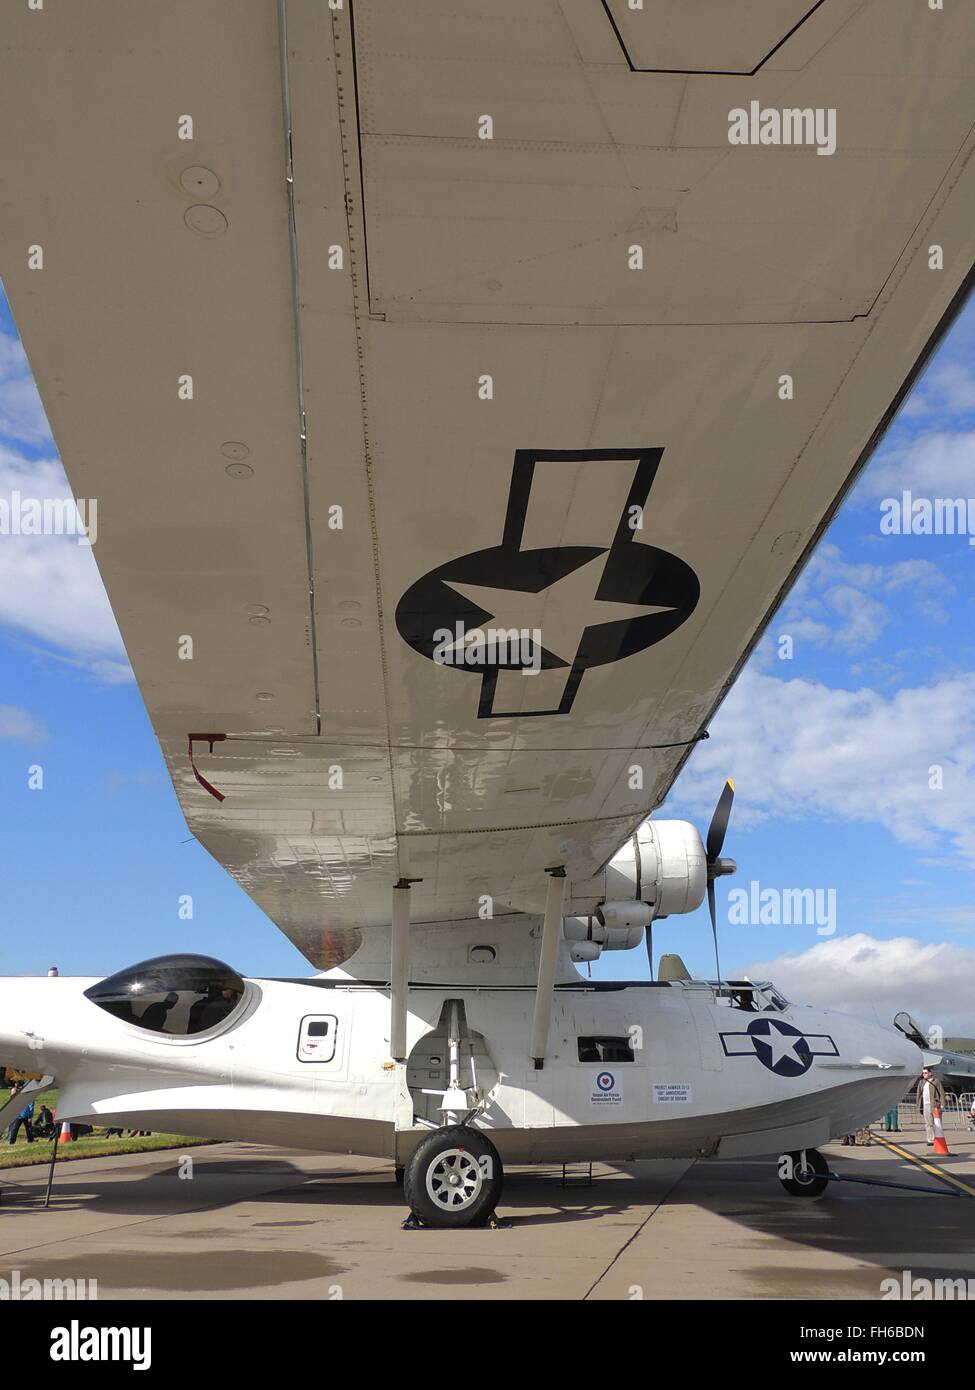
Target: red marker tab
209 739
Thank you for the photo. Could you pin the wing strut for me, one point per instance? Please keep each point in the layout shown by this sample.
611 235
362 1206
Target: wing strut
551 931
399 973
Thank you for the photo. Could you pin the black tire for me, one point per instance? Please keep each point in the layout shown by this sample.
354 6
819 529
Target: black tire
808 1173
454 1178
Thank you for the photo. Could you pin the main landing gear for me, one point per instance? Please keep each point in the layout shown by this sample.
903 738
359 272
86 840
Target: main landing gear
454 1178
804 1173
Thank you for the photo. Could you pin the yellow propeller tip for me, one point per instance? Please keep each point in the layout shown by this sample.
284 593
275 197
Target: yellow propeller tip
731 783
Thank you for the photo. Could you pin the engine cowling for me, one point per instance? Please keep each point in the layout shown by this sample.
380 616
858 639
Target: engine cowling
659 872
663 865
607 930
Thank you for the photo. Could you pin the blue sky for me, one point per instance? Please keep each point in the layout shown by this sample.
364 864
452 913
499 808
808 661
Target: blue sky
831 750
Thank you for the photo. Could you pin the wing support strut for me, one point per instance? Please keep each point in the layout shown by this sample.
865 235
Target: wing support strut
551 931
399 970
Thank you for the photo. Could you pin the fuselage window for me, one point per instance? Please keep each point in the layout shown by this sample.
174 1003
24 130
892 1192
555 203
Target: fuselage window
316 1038
603 1049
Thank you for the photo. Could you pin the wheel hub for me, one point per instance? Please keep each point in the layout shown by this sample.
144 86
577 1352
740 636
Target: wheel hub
454 1180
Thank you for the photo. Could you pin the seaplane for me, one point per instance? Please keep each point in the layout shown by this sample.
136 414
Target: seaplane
460 404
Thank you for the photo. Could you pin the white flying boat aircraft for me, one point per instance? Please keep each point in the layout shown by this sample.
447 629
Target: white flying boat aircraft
459 389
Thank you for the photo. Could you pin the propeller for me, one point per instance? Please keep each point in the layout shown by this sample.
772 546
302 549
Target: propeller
718 867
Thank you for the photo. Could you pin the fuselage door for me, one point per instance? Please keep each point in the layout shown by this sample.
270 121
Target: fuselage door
317 1038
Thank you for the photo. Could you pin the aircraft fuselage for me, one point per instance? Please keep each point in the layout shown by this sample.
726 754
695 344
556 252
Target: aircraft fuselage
633 1071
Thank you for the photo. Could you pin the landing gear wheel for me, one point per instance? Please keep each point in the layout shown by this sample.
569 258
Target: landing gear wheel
454 1178
808 1173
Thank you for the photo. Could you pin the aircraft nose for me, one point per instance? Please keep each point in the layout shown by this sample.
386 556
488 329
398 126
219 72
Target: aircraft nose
894 1048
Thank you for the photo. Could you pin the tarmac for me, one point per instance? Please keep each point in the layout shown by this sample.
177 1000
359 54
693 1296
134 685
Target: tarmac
253 1222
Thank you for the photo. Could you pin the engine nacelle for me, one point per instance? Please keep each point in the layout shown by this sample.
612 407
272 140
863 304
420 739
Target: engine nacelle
663 865
661 871
588 937
624 921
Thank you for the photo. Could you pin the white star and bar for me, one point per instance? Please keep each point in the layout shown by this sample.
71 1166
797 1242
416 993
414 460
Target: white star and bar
779 1046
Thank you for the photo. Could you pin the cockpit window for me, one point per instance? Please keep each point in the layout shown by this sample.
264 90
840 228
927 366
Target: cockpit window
176 995
751 998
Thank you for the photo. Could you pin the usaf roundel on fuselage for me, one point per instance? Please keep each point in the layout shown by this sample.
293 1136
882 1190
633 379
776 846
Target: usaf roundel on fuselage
779 1046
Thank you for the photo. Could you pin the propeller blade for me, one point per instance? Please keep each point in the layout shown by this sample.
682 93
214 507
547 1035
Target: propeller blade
719 822
714 926
649 941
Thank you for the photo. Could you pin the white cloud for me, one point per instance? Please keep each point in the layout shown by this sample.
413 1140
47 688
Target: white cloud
861 975
20 725
121 781
860 619
49 586
957 919
21 413
798 748
948 388
843 605
939 463
931 450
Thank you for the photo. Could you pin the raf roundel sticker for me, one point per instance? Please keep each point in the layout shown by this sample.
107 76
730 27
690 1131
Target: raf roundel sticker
605 1090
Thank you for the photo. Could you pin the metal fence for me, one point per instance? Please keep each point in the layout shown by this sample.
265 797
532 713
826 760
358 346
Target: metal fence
955 1115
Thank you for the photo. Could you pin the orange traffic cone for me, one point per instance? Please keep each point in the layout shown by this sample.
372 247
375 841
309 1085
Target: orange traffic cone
65 1136
940 1143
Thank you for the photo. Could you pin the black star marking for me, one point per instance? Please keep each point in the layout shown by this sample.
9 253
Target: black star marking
635 574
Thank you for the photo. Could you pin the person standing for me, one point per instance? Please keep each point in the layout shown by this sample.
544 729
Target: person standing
930 1096
43 1123
891 1121
25 1118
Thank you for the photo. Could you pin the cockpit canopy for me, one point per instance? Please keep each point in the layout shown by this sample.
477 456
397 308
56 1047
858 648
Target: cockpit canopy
751 996
177 995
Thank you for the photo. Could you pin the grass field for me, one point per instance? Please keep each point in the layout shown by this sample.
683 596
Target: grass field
89 1146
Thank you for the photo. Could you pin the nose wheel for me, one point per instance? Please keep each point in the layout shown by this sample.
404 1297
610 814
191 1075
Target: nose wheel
454 1178
804 1173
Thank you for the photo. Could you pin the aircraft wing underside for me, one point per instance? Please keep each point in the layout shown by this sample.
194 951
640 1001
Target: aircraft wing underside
433 389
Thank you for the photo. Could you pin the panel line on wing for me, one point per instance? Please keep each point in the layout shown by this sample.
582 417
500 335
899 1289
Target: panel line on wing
299 353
